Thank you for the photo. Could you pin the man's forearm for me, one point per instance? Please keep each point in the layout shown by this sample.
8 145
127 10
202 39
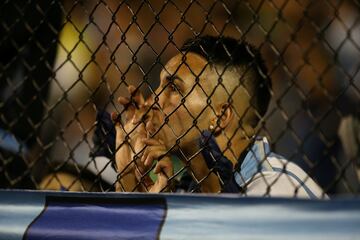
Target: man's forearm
126 182
132 178
209 182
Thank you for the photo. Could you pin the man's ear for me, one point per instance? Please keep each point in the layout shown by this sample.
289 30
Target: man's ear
224 114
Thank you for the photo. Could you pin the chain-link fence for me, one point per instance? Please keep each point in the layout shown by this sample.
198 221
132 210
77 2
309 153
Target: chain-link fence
189 115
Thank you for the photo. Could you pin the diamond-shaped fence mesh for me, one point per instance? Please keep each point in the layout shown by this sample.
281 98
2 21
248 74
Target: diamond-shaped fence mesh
187 115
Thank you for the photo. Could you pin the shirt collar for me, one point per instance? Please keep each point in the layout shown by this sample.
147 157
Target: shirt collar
10 143
255 161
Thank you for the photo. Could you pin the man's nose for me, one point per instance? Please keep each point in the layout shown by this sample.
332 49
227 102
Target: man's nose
142 114
158 100
152 115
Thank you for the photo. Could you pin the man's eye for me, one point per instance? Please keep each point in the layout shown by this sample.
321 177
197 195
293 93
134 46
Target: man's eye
173 88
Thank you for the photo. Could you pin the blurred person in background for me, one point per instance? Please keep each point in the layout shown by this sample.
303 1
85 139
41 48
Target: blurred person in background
27 52
349 134
68 177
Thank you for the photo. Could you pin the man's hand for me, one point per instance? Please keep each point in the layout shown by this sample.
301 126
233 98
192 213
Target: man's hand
131 139
129 143
156 151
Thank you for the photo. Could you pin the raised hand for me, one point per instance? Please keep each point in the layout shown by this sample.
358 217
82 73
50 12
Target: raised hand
129 143
136 153
156 151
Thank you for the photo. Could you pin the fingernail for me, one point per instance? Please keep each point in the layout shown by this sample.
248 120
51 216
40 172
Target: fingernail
114 116
134 120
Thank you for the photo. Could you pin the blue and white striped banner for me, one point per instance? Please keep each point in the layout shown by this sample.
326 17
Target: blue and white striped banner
65 215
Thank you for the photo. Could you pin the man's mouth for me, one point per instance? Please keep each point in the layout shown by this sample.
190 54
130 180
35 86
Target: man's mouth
152 124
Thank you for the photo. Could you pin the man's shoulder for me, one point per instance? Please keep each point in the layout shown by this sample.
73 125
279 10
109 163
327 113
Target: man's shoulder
280 164
286 178
264 169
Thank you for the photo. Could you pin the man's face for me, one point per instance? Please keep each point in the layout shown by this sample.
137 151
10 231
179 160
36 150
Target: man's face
182 110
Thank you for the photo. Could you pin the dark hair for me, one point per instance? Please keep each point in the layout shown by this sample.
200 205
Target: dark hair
229 52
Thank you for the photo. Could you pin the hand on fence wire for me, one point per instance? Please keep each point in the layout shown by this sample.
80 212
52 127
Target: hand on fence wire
156 150
131 140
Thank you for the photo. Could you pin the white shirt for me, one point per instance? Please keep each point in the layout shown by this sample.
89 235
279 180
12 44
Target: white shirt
263 173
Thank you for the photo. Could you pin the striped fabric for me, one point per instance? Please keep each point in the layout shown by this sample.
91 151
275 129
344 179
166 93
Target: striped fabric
107 216
264 173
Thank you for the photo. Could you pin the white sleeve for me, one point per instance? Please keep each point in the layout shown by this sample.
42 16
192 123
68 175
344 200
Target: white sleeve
288 181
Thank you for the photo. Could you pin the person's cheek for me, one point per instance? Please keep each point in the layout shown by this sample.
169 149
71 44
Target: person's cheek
199 110
175 112
165 131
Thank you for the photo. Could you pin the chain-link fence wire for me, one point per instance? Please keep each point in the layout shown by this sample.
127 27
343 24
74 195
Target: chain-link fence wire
62 62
